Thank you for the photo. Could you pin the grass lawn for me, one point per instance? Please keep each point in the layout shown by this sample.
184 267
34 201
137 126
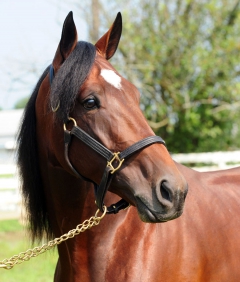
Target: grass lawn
13 240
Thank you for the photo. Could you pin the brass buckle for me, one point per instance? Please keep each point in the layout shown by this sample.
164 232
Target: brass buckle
115 157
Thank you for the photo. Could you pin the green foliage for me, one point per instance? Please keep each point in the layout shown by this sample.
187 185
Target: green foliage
21 103
184 56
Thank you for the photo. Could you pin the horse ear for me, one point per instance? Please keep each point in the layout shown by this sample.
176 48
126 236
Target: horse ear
67 43
108 43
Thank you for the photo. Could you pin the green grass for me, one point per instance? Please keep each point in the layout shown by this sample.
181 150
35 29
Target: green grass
10 226
13 240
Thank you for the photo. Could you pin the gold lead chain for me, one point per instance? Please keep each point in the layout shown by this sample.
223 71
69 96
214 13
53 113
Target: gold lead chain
27 255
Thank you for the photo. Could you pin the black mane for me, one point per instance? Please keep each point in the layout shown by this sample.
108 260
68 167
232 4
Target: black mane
64 89
29 171
70 77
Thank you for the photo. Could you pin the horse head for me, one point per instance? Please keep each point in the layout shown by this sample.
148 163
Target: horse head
84 95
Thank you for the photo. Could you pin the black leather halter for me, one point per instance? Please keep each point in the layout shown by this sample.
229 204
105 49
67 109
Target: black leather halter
114 160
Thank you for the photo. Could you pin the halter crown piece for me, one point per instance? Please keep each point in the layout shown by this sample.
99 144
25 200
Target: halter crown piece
114 160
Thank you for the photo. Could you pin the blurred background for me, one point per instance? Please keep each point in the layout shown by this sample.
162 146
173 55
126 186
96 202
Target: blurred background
184 57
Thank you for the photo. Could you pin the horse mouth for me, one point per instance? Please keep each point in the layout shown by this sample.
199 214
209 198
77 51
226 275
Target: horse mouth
148 215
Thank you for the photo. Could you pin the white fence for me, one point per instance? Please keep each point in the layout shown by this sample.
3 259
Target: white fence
209 161
10 199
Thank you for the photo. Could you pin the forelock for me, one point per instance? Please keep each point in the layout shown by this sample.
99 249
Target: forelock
70 77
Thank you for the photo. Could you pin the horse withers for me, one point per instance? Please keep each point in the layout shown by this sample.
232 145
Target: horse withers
82 134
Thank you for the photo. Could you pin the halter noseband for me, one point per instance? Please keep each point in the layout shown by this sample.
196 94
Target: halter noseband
114 160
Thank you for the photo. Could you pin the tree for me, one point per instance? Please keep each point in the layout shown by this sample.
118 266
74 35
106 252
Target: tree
184 56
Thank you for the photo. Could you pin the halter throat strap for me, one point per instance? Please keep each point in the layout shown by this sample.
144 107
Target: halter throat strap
114 161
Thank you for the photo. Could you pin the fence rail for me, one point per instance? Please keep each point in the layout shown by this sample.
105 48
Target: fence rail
10 199
209 161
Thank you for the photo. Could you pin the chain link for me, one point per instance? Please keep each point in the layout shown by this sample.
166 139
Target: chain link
27 255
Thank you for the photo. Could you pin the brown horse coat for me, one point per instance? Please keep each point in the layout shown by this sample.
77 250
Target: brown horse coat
202 245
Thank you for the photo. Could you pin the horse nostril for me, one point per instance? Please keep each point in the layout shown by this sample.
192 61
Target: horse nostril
165 192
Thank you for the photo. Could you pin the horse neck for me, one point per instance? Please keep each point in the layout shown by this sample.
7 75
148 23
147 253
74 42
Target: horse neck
70 201
66 198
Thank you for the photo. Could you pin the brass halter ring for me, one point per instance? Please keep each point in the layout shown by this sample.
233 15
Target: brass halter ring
69 119
103 214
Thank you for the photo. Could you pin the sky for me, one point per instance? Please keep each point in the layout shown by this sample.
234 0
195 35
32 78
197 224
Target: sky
30 31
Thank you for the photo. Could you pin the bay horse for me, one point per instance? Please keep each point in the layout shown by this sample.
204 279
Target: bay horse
202 245
82 134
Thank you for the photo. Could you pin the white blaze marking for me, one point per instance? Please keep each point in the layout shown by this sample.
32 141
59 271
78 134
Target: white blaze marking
112 78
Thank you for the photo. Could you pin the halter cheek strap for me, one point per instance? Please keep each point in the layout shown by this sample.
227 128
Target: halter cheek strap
114 161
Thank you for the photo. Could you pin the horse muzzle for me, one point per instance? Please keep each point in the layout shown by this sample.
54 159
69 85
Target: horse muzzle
167 204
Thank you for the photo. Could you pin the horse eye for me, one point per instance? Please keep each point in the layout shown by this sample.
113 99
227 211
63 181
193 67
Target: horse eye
89 103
